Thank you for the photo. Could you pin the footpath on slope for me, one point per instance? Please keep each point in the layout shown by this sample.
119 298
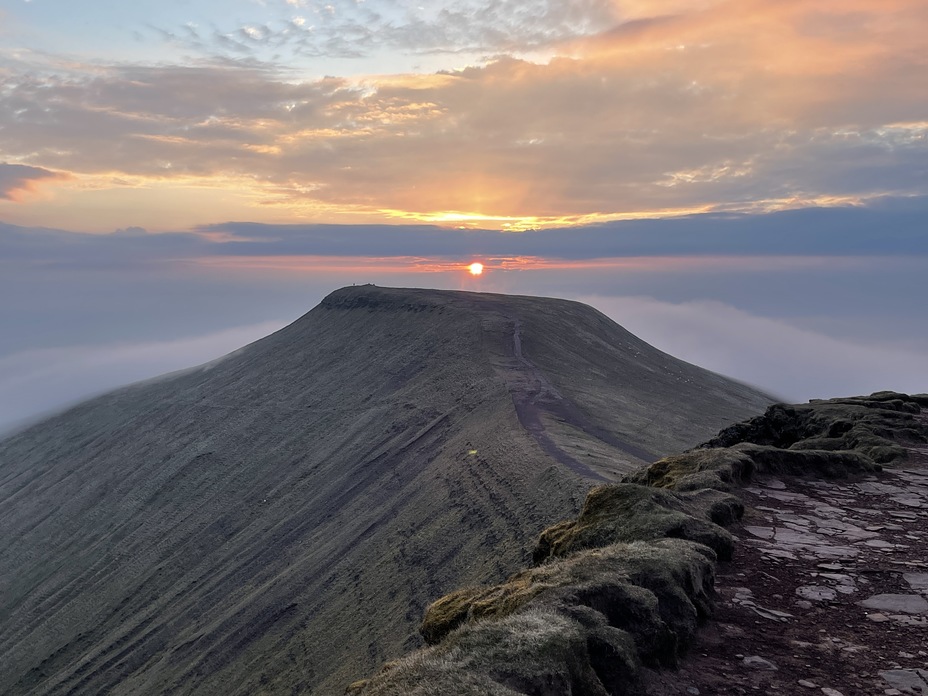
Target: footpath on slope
826 593
534 396
818 550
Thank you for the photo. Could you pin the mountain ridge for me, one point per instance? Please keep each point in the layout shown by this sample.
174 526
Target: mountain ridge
279 518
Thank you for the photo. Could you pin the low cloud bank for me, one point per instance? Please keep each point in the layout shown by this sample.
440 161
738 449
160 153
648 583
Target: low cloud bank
791 363
36 382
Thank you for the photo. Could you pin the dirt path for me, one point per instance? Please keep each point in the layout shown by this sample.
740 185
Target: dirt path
534 396
827 594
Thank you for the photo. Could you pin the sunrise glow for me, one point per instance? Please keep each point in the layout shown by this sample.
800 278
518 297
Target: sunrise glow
476 268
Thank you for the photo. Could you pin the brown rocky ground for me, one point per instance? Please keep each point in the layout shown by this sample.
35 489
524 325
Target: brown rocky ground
826 593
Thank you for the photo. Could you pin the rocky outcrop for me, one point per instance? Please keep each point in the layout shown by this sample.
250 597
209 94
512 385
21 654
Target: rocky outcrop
625 584
871 426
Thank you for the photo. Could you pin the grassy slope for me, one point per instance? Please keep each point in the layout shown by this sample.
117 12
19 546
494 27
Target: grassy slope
281 517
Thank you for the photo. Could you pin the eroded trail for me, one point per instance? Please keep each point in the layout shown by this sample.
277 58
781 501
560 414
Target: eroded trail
535 397
565 409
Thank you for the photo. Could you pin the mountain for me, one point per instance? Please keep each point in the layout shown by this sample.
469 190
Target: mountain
277 520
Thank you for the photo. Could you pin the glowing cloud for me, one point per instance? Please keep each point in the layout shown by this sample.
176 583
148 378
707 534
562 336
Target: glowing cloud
17 179
646 110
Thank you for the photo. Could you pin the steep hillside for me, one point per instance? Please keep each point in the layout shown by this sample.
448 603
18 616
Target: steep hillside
279 519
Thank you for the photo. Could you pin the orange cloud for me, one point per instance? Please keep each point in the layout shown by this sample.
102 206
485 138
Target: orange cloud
17 181
680 107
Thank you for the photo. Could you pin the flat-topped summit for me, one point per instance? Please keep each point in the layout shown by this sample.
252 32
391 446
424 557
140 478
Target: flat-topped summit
407 299
281 517
374 297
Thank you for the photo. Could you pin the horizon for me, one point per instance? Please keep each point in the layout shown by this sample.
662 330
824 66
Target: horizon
743 185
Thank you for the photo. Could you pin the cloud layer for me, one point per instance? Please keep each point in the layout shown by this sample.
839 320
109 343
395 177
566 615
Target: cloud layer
716 105
790 362
350 29
887 228
38 381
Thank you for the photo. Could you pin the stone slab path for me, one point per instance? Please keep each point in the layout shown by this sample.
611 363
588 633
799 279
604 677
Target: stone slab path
827 594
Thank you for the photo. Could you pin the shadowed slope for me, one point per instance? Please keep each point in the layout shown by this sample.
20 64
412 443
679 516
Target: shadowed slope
280 518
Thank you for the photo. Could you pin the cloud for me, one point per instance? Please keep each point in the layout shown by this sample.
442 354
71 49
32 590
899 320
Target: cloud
790 362
889 227
348 29
17 179
668 109
37 381
886 234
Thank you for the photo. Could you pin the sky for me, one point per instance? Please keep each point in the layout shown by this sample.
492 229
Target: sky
743 183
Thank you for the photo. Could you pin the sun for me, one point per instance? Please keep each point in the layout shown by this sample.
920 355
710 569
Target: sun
476 268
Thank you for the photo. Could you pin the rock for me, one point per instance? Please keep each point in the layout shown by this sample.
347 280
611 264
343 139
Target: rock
817 593
760 532
693 691
839 578
899 514
808 684
831 692
907 604
917 581
830 566
878 618
909 620
771 614
756 662
790 536
907 681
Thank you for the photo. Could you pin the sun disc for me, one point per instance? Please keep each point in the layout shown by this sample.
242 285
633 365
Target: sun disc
475 268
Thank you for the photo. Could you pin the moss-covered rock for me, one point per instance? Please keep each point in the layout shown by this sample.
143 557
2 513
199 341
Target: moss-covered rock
628 512
719 468
538 651
582 625
813 463
875 426
609 580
